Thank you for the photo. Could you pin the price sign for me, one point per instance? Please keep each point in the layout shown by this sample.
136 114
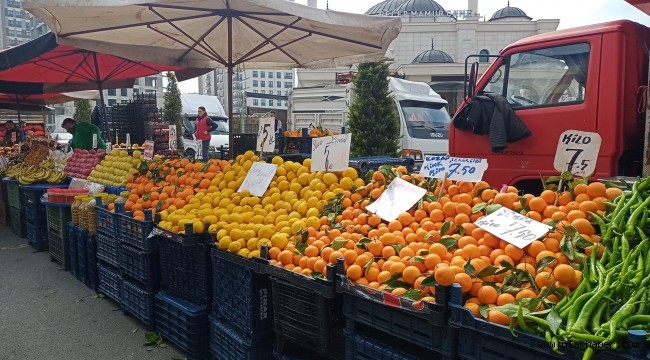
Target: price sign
172 137
458 169
398 197
109 146
148 150
258 178
266 135
331 153
94 141
577 152
128 141
513 227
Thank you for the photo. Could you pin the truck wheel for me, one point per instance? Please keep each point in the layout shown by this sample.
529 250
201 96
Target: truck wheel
190 153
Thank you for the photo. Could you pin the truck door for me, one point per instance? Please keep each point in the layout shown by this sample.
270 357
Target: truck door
551 88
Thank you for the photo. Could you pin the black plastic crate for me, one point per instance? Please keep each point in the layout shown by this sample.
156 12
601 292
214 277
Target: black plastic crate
139 265
3 192
298 145
110 281
92 274
241 295
72 247
183 323
58 247
82 254
308 312
107 221
242 143
138 302
33 195
108 249
15 197
135 232
57 219
367 347
185 266
37 235
228 344
18 222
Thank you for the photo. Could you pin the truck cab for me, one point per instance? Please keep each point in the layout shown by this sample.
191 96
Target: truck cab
592 78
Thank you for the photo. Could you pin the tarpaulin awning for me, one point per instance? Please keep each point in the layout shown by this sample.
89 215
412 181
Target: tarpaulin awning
643 5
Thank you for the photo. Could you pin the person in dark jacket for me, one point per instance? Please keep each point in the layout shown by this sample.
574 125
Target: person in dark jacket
12 135
204 128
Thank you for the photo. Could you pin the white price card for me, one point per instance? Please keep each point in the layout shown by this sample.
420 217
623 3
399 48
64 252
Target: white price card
266 135
128 141
109 146
258 178
513 227
94 141
458 169
398 197
331 153
577 152
148 150
172 138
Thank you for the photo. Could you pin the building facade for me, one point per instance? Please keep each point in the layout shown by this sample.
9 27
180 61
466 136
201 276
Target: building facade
434 42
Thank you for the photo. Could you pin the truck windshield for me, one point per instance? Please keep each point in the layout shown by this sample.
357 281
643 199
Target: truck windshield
425 120
544 77
221 129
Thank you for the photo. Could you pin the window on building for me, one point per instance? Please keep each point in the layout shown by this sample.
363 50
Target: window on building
288 85
112 102
150 81
279 92
288 75
285 103
270 83
263 92
123 92
256 102
278 83
262 74
484 56
10 13
270 74
263 102
12 32
12 42
136 91
544 77
263 83
270 102
278 75
254 74
17 4
112 92
256 91
255 83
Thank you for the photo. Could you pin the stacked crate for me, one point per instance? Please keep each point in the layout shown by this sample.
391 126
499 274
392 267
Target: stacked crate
108 257
16 202
36 215
58 216
5 217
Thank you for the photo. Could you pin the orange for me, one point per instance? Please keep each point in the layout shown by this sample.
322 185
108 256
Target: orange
354 272
537 204
596 189
498 317
535 248
444 276
514 252
473 307
544 279
410 274
505 298
613 193
580 189
464 280
583 226
487 295
565 274
526 293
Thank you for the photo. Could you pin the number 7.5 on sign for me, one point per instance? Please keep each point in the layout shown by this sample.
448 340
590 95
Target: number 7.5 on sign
577 152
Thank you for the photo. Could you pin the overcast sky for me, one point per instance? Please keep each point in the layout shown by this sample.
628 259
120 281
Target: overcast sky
570 12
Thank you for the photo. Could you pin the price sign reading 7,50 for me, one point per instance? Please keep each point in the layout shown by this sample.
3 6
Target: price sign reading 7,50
513 227
577 152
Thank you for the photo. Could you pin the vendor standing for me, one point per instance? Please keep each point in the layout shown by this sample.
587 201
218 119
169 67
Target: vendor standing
204 128
12 135
82 134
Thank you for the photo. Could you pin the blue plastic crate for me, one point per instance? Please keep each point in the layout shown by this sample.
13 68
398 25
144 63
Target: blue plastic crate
135 232
82 254
241 295
364 347
227 344
58 247
139 265
185 267
72 247
110 281
107 221
18 222
37 236
92 274
183 323
138 302
108 249
33 195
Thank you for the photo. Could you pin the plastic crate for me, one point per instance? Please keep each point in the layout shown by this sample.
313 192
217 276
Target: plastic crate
107 221
298 145
227 344
37 235
92 274
183 323
139 265
33 195
108 249
57 219
72 247
110 281
185 266
135 232
59 250
3 192
18 222
364 347
139 303
241 295
242 143
5 217
307 312
82 254
15 196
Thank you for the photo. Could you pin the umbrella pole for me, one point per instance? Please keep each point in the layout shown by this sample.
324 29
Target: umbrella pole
231 135
18 109
103 110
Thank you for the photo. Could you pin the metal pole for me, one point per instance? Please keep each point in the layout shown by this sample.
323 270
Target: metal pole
101 97
18 109
231 142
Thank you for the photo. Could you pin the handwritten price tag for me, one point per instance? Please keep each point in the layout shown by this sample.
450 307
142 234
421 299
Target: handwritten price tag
513 227
458 169
258 178
128 141
148 150
577 152
331 153
266 135
397 198
94 141
172 137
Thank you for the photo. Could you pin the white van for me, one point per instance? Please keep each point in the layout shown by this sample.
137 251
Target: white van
424 119
215 111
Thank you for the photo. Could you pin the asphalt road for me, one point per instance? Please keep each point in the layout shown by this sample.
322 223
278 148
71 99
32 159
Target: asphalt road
45 313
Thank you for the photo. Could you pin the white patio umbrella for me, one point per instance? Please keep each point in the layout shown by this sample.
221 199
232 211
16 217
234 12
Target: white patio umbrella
264 34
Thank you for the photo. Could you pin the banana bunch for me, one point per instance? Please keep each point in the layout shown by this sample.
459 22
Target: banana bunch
47 164
29 174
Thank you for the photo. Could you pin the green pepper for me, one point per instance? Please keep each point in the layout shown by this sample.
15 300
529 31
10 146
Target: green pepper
577 309
636 320
627 309
595 320
631 222
590 306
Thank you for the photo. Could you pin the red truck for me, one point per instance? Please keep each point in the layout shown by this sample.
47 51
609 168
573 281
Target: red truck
592 78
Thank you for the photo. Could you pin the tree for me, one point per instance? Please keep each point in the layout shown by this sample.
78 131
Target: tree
373 120
173 109
82 110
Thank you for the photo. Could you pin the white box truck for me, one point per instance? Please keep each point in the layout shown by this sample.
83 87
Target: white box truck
424 119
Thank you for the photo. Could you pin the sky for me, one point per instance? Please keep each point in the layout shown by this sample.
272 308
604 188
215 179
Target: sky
571 13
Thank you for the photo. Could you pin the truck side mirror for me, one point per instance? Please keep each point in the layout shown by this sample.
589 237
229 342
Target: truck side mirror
473 80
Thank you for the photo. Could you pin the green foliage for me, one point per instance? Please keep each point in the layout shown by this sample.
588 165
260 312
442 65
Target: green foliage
173 108
82 110
373 120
